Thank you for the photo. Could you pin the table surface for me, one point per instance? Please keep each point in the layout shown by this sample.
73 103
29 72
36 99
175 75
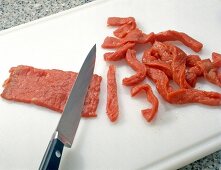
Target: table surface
16 12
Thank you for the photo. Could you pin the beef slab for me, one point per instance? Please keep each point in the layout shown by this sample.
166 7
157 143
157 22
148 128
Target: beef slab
48 88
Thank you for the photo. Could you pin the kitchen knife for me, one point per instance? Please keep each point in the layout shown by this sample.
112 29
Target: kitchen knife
69 121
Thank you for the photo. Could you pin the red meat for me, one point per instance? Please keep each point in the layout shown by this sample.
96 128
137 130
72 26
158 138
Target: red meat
137 66
210 72
123 30
161 81
111 42
168 58
118 21
48 88
148 114
135 36
138 37
153 59
216 59
192 60
119 54
181 96
112 97
172 35
179 67
192 74
193 70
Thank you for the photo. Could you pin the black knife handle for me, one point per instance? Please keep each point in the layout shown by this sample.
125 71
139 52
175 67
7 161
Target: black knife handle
52 156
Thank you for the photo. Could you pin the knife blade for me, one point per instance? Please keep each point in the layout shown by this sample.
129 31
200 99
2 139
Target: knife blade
69 121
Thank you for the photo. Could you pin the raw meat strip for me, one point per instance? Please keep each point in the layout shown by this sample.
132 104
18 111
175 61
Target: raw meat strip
172 35
112 97
139 67
148 114
119 54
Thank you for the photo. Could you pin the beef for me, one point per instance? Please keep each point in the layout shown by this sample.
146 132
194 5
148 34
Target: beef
48 88
112 97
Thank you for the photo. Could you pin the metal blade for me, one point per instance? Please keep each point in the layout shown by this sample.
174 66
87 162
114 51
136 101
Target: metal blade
70 118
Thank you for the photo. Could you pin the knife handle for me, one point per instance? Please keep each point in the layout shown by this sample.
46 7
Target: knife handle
52 156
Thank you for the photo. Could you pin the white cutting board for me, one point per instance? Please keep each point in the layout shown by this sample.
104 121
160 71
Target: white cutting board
179 134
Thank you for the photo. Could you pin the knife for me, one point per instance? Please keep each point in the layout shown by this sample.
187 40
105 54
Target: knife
69 121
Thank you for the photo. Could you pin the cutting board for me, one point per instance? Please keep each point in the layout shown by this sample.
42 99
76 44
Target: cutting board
179 135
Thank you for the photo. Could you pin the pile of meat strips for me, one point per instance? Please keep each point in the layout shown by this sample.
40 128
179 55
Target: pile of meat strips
162 63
